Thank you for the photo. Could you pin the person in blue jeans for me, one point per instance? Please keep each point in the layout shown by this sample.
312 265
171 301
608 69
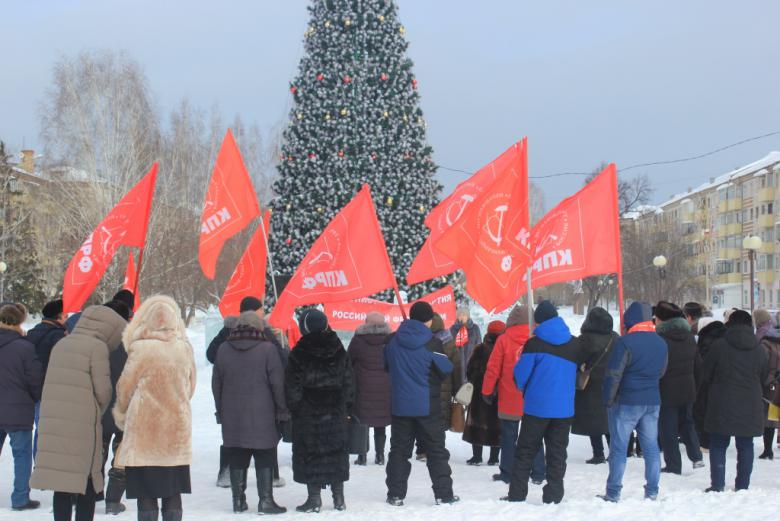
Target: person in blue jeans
734 371
633 398
21 382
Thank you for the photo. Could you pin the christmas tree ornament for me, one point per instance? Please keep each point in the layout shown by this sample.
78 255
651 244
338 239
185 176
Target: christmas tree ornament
406 118
389 200
293 89
299 115
288 206
320 77
402 30
290 158
373 156
348 22
347 79
327 24
381 18
383 77
386 114
341 153
422 209
288 241
312 155
343 112
414 83
327 116
319 209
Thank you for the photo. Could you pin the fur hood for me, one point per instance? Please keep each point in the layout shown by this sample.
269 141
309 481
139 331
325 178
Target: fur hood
158 318
373 329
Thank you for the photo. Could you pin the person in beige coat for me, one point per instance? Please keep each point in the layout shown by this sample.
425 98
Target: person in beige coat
76 393
153 409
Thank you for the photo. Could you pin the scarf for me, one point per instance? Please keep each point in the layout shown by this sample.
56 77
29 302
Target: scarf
647 326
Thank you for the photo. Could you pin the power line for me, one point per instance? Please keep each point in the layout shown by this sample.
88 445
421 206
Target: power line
639 165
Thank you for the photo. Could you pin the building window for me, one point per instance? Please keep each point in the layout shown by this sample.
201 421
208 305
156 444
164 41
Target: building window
769 208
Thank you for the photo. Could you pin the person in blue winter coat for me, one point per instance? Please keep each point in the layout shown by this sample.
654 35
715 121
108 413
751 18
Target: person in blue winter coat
633 398
546 374
416 371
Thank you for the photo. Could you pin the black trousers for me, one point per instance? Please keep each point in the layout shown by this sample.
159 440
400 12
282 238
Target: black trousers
116 477
224 461
430 433
533 431
239 458
675 423
380 438
169 504
85 504
476 450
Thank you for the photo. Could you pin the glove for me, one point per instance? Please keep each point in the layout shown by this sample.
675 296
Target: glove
488 399
218 417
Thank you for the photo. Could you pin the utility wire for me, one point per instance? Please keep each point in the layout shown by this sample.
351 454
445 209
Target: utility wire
639 165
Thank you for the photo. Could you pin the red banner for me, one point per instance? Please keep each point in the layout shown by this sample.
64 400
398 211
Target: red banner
230 205
348 261
125 225
578 238
347 316
248 279
430 262
490 241
131 280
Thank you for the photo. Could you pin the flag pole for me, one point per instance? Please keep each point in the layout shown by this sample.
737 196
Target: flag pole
146 231
616 203
530 297
271 265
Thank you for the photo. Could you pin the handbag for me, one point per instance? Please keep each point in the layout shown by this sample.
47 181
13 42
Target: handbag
357 436
465 394
583 375
457 417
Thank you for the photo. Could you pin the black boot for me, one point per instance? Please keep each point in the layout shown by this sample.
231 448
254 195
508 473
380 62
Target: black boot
114 491
337 489
265 491
379 459
238 487
313 503
361 460
223 478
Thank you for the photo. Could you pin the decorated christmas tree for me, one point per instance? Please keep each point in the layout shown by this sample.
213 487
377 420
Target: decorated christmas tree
355 119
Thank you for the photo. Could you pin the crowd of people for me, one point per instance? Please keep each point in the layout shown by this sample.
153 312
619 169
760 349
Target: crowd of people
107 381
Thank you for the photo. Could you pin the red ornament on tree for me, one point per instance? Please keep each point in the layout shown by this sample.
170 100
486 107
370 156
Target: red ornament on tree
312 155
414 83
383 77
288 241
347 80
373 157
320 77
341 153
293 89
290 158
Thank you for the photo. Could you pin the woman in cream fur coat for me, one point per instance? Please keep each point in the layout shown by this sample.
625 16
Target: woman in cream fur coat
153 409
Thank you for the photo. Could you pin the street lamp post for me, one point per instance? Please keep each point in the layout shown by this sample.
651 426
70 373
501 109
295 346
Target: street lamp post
611 282
752 243
3 269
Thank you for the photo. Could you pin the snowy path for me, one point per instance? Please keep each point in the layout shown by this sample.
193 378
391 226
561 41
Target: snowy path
680 497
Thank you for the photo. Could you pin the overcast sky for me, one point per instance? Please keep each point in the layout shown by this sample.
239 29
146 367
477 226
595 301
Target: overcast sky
629 82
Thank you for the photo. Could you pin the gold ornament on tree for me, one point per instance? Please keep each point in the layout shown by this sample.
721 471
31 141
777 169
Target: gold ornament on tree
327 116
343 112
422 209
381 18
386 114
327 24
347 22
389 200
402 30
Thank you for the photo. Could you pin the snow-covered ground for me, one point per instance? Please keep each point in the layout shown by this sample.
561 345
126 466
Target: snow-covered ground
681 497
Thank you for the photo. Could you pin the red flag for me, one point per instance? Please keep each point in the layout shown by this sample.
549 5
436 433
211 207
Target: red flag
349 315
248 279
230 205
125 225
578 238
131 280
348 261
490 241
430 262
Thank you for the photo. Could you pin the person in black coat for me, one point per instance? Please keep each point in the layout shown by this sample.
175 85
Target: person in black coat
735 369
255 305
710 331
372 384
678 388
248 387
482 425
590 414
21 384
48 332
319 391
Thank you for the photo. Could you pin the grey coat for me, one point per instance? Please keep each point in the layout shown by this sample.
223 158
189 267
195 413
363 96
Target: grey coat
248 387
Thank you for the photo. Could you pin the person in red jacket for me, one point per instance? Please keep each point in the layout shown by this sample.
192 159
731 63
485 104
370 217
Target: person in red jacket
499 379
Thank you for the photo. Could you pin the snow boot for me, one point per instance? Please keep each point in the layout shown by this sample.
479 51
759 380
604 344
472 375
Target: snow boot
313 503
238 487
379 459
447 501
596 460
475 461
395 501
114 508
265 491
361 460
148 515
337 489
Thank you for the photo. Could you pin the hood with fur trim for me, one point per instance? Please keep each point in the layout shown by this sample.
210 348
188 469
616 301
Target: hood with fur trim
158 318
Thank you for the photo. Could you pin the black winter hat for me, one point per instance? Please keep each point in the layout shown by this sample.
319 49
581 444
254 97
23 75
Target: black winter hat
126 297
666 311
52 310
693 310
119 307
421 311
739 317
250 304
598 321
545 310
313 321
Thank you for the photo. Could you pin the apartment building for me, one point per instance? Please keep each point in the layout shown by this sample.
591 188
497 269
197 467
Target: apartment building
715 217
